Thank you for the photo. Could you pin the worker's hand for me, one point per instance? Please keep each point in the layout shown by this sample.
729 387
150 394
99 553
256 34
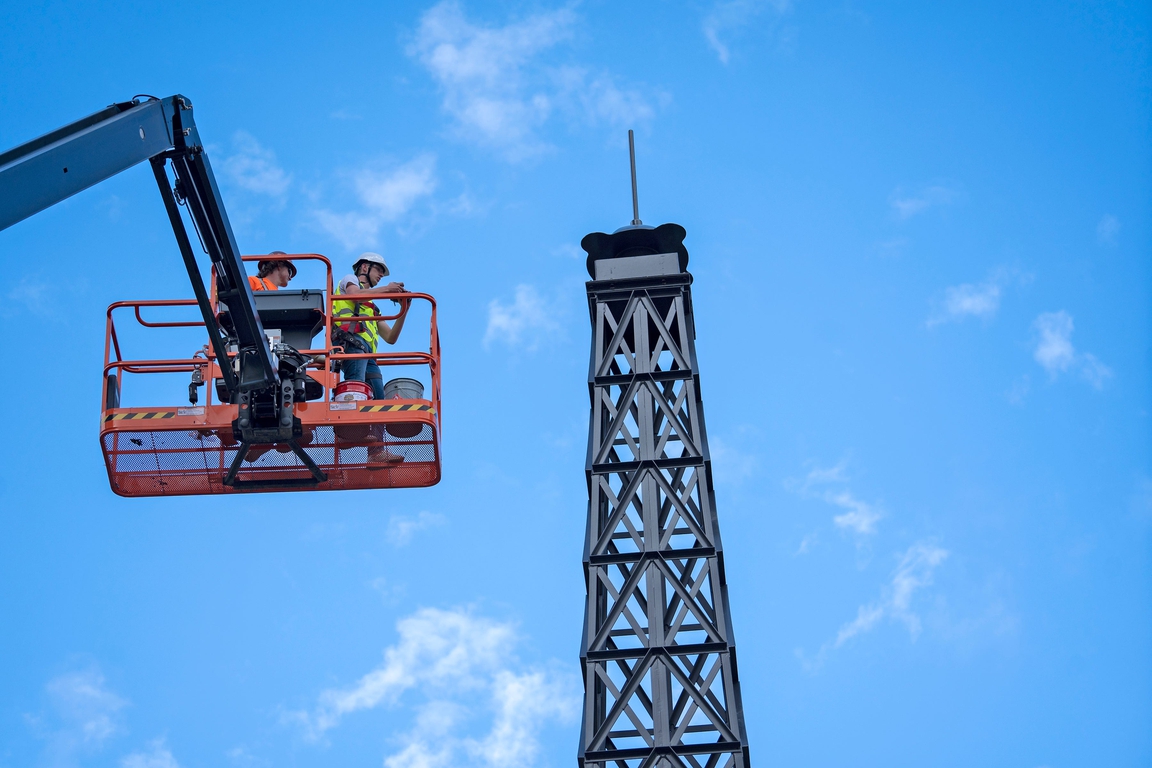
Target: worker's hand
392 288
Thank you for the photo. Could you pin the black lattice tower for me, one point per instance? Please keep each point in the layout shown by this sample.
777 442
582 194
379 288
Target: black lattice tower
659 657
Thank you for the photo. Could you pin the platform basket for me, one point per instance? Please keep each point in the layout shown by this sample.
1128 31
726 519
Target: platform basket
148 459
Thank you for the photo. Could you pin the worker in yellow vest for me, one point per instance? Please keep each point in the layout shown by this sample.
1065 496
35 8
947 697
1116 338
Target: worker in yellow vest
357 334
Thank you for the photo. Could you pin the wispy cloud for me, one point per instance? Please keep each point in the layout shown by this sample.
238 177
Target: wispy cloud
498 92
860 517
1019 390
1107 230
598 99
730 464
523 323
729 17
980 300
385 195
463 667
829 484
28 295
914 573
85 714
907 204
253 167
968 300
157 756
86 704
401 528
1056 353
240 756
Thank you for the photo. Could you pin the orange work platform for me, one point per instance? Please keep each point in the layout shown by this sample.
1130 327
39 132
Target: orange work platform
174 450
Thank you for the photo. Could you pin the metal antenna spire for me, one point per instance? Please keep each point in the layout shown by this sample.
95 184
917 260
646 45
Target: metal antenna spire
635 199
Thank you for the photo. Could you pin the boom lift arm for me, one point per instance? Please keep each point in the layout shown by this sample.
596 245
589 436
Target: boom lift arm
44 171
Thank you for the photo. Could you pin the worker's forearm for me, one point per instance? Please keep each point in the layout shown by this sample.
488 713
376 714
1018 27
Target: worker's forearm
392 333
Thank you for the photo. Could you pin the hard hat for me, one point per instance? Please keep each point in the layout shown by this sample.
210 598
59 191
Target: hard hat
373 258
273 262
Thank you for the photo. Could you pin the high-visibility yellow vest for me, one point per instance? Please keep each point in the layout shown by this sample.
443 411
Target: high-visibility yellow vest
365 329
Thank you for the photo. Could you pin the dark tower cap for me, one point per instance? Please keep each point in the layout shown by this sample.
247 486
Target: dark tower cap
635 241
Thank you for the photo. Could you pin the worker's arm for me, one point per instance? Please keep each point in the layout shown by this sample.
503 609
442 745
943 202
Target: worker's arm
391 333
390 288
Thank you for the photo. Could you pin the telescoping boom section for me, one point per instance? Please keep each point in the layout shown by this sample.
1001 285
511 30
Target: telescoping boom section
195 445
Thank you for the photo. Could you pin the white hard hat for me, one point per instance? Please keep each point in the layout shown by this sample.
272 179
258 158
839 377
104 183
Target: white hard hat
374 258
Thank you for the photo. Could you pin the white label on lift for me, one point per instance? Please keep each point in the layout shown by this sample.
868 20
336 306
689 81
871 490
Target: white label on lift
348 405
197 411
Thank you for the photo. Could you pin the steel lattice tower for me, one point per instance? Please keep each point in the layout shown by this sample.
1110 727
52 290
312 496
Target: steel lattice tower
660 681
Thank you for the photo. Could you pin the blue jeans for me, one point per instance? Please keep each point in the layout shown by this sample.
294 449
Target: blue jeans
363 370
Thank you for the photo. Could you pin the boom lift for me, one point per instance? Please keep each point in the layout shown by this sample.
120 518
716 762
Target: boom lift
263 434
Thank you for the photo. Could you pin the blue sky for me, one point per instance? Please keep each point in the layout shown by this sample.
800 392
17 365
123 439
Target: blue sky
920 238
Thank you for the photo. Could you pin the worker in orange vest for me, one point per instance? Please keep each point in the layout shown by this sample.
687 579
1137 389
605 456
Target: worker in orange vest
272 273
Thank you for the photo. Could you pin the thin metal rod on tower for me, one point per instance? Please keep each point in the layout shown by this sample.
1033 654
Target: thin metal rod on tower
635 198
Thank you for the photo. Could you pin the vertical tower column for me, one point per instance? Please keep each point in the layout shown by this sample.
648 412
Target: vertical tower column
659 658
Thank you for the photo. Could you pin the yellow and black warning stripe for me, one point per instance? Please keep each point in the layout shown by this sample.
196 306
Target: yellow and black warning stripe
133 415
397 407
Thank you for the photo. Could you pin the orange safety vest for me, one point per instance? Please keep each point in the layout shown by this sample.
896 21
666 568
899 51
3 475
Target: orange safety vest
261 283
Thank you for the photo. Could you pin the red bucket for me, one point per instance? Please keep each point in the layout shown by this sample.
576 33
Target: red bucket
352 390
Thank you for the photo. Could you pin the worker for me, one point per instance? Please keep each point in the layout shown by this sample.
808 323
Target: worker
363 336
272 273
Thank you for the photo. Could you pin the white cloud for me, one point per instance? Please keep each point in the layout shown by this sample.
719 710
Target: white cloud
437 648
385 196
87 707
570 251
1054 349
391 193
729 464
913 573
240 756
1019 390
822 475
84 715
523 323
981 300
522 702
906 204
1094 371
496 89
157 756
253 167
976 300
401 528
860 516
463 667
28 294
731 16
1107 230
482 72
598 99
1056 354
807 543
